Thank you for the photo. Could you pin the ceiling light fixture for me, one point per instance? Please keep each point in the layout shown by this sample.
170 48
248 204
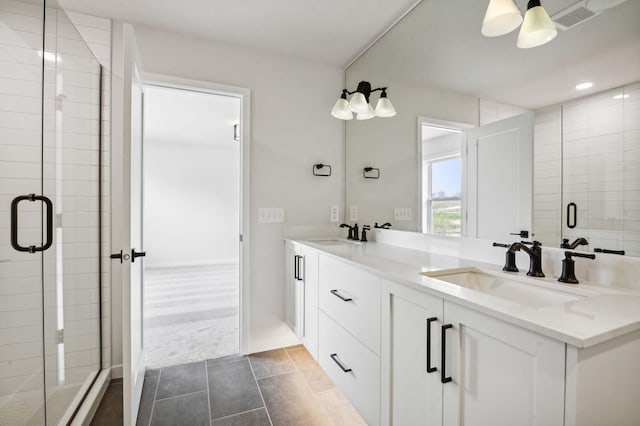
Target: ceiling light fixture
359 104
584 86
537 28
502 17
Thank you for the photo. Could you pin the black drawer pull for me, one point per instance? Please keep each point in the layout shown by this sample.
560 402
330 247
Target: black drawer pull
341 297
443 374
335 359
296 265
430 369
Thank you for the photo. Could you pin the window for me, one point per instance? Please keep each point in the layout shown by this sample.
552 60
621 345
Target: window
443 201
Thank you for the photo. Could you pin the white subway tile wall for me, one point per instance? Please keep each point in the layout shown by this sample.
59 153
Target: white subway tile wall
66 170
596 140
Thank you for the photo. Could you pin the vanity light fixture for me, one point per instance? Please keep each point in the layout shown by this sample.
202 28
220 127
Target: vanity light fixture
359 104
503 16
584 86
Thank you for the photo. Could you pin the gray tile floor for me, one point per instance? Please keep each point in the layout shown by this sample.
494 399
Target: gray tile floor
280 387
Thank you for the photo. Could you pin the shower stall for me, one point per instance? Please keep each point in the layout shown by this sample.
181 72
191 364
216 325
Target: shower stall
51 214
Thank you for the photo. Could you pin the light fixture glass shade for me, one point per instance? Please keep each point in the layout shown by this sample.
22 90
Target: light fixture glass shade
359 104
341 110
370 113
384 108
502 17
537 28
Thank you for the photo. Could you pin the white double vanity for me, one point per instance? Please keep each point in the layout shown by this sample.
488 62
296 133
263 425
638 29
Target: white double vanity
414 337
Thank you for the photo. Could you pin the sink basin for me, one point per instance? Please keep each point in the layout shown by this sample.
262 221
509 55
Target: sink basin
334 242
499 285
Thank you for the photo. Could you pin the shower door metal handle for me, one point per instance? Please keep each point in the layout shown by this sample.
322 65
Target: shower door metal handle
14 223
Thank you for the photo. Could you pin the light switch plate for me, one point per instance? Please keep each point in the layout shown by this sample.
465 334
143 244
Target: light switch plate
335 213
402 214
271 215
353 213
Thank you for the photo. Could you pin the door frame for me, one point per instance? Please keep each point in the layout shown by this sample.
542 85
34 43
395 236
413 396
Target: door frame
244 95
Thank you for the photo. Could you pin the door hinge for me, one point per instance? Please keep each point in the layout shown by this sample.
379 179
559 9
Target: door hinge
240 237
59 220
59 101
60 337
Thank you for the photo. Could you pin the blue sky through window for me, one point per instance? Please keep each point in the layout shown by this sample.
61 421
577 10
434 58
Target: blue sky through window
446 178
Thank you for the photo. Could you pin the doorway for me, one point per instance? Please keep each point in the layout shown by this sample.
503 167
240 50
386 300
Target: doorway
192 223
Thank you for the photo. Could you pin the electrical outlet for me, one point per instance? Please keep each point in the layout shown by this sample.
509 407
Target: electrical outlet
271 215
402 214
353 213
335 213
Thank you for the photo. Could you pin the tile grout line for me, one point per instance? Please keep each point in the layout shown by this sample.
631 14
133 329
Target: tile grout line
181 395
260 391
155 395
237 414
206 374
309 387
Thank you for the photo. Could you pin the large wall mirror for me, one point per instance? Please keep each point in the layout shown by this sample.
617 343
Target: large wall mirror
491 140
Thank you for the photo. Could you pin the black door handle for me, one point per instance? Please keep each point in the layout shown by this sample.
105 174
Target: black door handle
521 234
335 359
341 297
430 369
14 223
443 374
135 254
570 207
117 256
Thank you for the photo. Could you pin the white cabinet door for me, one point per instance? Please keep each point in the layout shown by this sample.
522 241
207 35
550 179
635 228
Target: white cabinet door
500 374
290 277
416 391
308 271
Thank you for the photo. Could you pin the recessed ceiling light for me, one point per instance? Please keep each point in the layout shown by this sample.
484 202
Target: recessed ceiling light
584 86
621 96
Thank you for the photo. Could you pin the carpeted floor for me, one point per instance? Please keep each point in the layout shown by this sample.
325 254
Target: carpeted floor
190 314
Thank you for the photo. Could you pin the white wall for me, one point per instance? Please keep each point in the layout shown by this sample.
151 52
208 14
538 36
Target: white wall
291 129
192 181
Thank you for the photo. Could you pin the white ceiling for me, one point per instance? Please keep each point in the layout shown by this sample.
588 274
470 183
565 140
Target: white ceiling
439 45
328 31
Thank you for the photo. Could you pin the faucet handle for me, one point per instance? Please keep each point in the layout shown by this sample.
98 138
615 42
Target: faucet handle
568 274
500 245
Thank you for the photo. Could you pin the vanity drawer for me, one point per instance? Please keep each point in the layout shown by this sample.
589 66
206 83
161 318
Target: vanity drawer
351 297
340 351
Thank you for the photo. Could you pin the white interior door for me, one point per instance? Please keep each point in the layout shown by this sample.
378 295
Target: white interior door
133 351
500 178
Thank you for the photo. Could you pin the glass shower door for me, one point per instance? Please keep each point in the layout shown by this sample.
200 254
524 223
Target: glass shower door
71 179
50 210
21 296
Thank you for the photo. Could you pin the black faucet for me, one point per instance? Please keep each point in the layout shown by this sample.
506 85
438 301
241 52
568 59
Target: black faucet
569 266
356 232
385 225
365 228
344 225
578 242
509 259
535 256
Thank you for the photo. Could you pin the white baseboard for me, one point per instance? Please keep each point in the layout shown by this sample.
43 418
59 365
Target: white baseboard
116 371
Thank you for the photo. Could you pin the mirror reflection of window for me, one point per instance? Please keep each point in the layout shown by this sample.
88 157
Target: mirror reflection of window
444 202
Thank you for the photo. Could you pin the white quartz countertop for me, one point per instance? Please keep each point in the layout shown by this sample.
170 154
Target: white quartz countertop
600 314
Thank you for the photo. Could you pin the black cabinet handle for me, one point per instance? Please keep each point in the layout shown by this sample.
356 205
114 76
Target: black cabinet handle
430 369
14 223
117 256
135 254
341 297
443 374
570 207
295 267
335 359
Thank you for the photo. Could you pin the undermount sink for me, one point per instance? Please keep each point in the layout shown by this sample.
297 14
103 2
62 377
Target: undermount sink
334 242
515 290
